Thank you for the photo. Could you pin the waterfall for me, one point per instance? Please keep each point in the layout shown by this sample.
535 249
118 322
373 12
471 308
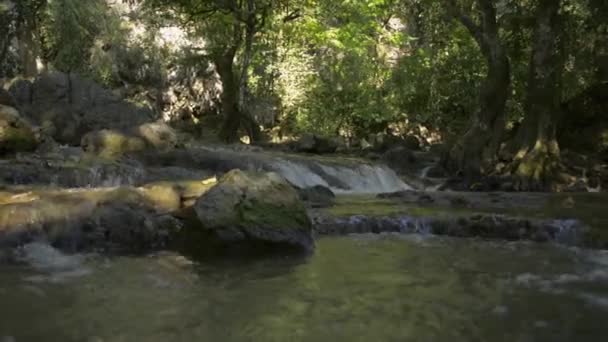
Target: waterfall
361 178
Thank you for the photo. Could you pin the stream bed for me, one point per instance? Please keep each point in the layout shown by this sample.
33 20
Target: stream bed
383 287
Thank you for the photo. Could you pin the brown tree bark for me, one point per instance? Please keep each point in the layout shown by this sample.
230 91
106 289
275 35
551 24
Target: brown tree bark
537 160
224 65
236 115
29 50
478 147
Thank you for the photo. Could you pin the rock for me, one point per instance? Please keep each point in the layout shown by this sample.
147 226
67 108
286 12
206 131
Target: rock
487 226
158 135
306 143
310 143
128 227
400 159
111 143
6 99
412 143
68 106
120 220
436 171
255 209
317 196
164 196
16 135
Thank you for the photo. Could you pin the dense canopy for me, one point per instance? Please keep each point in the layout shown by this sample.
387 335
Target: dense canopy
506 86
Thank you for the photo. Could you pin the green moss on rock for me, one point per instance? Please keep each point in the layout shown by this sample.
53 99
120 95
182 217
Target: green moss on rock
255 207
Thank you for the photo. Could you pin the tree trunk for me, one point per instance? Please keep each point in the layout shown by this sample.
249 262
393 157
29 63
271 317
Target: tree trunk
537 160
478 147
28 48
230 96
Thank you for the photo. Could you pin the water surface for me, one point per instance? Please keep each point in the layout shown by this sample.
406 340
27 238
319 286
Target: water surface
356 288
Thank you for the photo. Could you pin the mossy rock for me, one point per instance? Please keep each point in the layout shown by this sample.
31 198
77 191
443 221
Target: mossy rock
255 208
111 143
16 135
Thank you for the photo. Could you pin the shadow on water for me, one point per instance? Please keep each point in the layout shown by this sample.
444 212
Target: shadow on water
359 288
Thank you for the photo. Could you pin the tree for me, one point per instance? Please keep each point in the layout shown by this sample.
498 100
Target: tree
477 149
537 160
230 27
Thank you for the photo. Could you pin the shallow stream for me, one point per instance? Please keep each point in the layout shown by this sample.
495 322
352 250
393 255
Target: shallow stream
356 288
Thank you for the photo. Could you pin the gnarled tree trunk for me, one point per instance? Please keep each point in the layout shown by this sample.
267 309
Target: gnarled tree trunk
478 147
224 65
537 161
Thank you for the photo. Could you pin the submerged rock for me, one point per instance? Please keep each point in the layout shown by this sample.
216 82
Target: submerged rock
255 208
317 196
487 226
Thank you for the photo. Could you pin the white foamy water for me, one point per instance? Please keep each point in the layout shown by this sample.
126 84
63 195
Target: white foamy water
54 265
355 179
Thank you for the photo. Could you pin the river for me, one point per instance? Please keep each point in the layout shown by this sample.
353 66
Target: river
355 288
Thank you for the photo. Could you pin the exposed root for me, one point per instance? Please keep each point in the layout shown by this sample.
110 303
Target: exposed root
538 170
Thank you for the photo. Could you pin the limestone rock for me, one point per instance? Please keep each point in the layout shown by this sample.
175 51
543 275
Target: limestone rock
255 208
68 106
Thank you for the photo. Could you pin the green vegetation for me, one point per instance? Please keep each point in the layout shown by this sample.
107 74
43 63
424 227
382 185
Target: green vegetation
501 83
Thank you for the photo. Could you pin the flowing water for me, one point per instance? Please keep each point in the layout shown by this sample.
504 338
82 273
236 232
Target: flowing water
354 288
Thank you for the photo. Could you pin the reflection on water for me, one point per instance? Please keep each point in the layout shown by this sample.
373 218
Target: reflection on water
360 288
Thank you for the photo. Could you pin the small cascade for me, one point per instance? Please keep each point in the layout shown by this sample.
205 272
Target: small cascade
425 171
361 178
499 227
53 265
567 232
360 224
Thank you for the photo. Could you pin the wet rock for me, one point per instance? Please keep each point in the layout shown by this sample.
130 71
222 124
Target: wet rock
255 209
488 226
400 159
16 134
127 227
317 196
436 171
117 220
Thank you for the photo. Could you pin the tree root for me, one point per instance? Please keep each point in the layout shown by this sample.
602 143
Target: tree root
538 170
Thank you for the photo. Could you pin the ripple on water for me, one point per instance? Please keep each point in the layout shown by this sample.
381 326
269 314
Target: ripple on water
55 266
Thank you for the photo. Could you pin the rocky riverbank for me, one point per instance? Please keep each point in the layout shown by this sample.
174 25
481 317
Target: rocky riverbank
123 182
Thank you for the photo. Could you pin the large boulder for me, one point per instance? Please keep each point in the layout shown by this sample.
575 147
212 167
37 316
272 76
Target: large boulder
16 135
68 106
259 209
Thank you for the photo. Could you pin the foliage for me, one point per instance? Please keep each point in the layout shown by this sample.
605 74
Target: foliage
349 67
